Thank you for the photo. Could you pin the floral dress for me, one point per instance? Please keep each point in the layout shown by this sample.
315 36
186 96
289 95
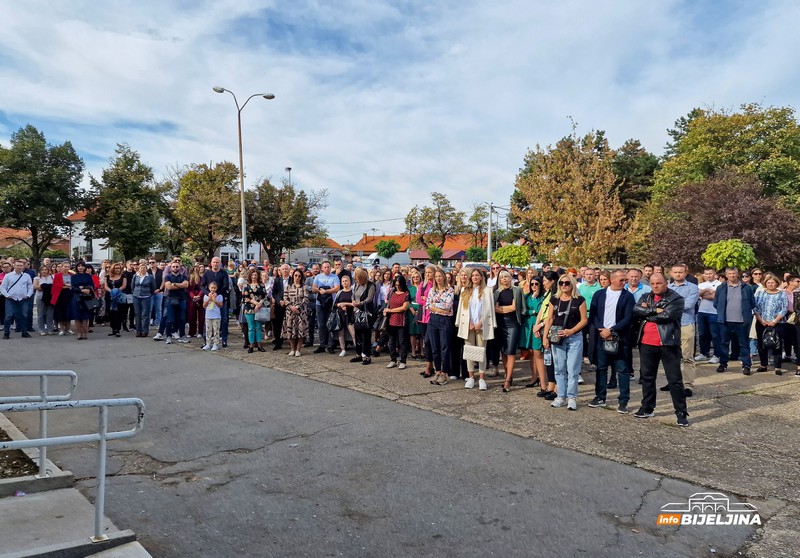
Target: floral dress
295 325
255 292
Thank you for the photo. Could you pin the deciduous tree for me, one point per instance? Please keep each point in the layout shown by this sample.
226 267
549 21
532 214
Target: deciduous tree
387 248
39 187
513 254
435 223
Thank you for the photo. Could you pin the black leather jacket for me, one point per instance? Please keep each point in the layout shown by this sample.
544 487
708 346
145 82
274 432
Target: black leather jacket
668 321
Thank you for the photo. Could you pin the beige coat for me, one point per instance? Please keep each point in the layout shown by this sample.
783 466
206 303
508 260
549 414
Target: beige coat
488 318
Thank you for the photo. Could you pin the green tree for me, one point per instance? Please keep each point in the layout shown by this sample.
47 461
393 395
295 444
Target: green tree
764 142
514 255
283 217
434 254
126 205
475 254
387 248
634 168
39 187
731 252
679 131
432 225
571 210
479 224
207 209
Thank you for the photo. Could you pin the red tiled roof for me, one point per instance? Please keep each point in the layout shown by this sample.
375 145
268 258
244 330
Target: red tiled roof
78 215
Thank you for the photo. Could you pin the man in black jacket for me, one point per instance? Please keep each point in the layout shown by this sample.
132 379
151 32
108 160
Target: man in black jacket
219 276
612 312
660 342
278 288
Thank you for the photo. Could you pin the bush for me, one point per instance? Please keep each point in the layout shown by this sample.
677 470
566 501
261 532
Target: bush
434 254
725 253
475 254
514 255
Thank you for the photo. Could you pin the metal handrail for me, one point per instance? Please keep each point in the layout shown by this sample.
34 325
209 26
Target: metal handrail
42 397
102 437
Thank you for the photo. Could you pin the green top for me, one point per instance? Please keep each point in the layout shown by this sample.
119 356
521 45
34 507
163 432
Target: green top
587 291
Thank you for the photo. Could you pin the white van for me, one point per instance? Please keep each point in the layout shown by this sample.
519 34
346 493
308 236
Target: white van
401 258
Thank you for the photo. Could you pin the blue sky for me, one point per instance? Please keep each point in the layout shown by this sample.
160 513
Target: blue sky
382 102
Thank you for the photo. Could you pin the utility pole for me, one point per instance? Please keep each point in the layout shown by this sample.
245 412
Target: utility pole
489 239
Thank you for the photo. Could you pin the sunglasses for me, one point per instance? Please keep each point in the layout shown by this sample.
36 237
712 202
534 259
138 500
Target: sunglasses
757 273
564 283
495 268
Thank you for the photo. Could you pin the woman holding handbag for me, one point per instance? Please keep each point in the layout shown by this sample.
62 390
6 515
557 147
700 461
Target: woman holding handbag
254 296
343 302
508 306
396 312
771 308
363 315
295 325
531 338
476 322
82 292
566 318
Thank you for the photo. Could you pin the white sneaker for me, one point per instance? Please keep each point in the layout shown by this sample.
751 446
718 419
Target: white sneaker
713 360
297 353
572 404
61 333
342 353
557 402
700 357
470 383
391 364
183 340
290 353
158 337
168 341
402 366
176 336
580 380
454 377
199 335
70 332
206 347
482 385
215 348
43 333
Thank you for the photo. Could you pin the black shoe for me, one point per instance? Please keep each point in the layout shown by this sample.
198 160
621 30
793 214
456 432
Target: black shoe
722 368
224 345
597 402
664 388
26 334
366 361
643 413
126 330
356 359
746 370
542 393
533 384
688 392
331 350
249 349
551 396
761 369
681 420
319 349
117 334
262 349
276 348
246 345
778 372
6 336
612 384
376 353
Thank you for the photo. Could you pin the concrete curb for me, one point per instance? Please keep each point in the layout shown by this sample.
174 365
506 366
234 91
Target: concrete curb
76 549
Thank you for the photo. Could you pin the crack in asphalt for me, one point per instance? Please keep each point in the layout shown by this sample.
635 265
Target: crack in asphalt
645 494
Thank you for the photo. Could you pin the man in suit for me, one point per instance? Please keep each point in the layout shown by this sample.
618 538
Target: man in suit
611 315
279 286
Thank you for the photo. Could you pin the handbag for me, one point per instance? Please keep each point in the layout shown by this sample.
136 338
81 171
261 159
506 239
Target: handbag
262 316
792 320
553 335
611 345
770 338
380 322
92 304
362 316
474 353
334 321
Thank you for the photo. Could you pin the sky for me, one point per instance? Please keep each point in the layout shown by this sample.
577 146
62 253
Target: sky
382 102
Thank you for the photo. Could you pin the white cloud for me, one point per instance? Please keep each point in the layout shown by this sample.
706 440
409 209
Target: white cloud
378 103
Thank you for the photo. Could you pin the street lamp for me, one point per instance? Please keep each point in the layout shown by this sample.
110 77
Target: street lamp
289 255
289 170
239 109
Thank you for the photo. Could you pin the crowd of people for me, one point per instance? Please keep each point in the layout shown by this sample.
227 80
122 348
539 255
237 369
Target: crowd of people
462 323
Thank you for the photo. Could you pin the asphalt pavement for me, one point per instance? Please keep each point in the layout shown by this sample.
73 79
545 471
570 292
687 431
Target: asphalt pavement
241 460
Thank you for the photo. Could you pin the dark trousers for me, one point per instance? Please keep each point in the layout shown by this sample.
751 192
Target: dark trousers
730 330
115 318
426 347
457 362
764 353
670 356
590 345
196 316
15 311
311 313
493 350
619 363
322 323
277 325
363 342
398 342
708 329
28 314
223 324
176 318
440 331
788 338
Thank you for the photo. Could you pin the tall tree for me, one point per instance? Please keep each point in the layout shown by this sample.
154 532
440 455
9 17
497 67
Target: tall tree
728 205
39 187
479 224
282 217
208 211
126 205
573 214
679 131
433 224
387 248
634 168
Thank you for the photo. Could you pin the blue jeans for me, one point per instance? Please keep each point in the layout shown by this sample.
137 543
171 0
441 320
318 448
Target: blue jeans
440 331
741 332
141 307
15 311
28 314
176 317
322 325
619 362
708 330
156 306
568 357
254 334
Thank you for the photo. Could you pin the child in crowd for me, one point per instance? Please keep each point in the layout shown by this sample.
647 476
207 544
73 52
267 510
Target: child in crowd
212 302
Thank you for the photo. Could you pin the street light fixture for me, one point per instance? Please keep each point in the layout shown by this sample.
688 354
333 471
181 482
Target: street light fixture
239 109
289 170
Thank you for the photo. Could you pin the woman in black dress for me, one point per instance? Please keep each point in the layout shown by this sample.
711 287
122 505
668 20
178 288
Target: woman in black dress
344 303
82 291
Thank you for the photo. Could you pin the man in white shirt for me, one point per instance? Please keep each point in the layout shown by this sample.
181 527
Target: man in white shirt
707 324
17 288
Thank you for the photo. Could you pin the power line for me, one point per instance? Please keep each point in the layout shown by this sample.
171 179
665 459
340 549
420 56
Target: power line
365 222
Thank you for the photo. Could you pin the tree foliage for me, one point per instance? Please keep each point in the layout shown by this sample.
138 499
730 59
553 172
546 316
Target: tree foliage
634 168
764 142
732 252
475 254
281 217
726 206
433 224
514 255
478 224
126 205
208 211
39 187
387 248
572 212
434 254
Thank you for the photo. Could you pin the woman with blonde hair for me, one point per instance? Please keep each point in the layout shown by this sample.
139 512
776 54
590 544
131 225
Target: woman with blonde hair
476 322
457 362
508 307
363 299
423 291
439 304
414 332
566 318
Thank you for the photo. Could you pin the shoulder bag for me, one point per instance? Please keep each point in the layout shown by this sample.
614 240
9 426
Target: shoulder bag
362 316
553 335
262 316
474 353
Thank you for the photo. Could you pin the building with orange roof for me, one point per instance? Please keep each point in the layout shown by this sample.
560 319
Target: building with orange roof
13 238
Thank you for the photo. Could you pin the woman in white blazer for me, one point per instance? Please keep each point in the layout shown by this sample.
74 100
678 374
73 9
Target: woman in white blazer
476 322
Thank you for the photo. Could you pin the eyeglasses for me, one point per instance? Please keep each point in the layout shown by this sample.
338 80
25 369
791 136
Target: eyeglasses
757 273
564 283
496 267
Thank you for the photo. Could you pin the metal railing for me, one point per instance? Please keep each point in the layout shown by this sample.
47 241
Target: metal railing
43 397
103 436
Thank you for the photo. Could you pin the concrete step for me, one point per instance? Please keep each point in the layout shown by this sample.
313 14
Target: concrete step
128 550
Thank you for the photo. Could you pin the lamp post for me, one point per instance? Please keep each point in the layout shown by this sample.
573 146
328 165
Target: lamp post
289 170
239 109
289 250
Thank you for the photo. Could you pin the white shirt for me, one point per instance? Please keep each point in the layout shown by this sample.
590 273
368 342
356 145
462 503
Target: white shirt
491 282
475 307
707 306
610 311
22 286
